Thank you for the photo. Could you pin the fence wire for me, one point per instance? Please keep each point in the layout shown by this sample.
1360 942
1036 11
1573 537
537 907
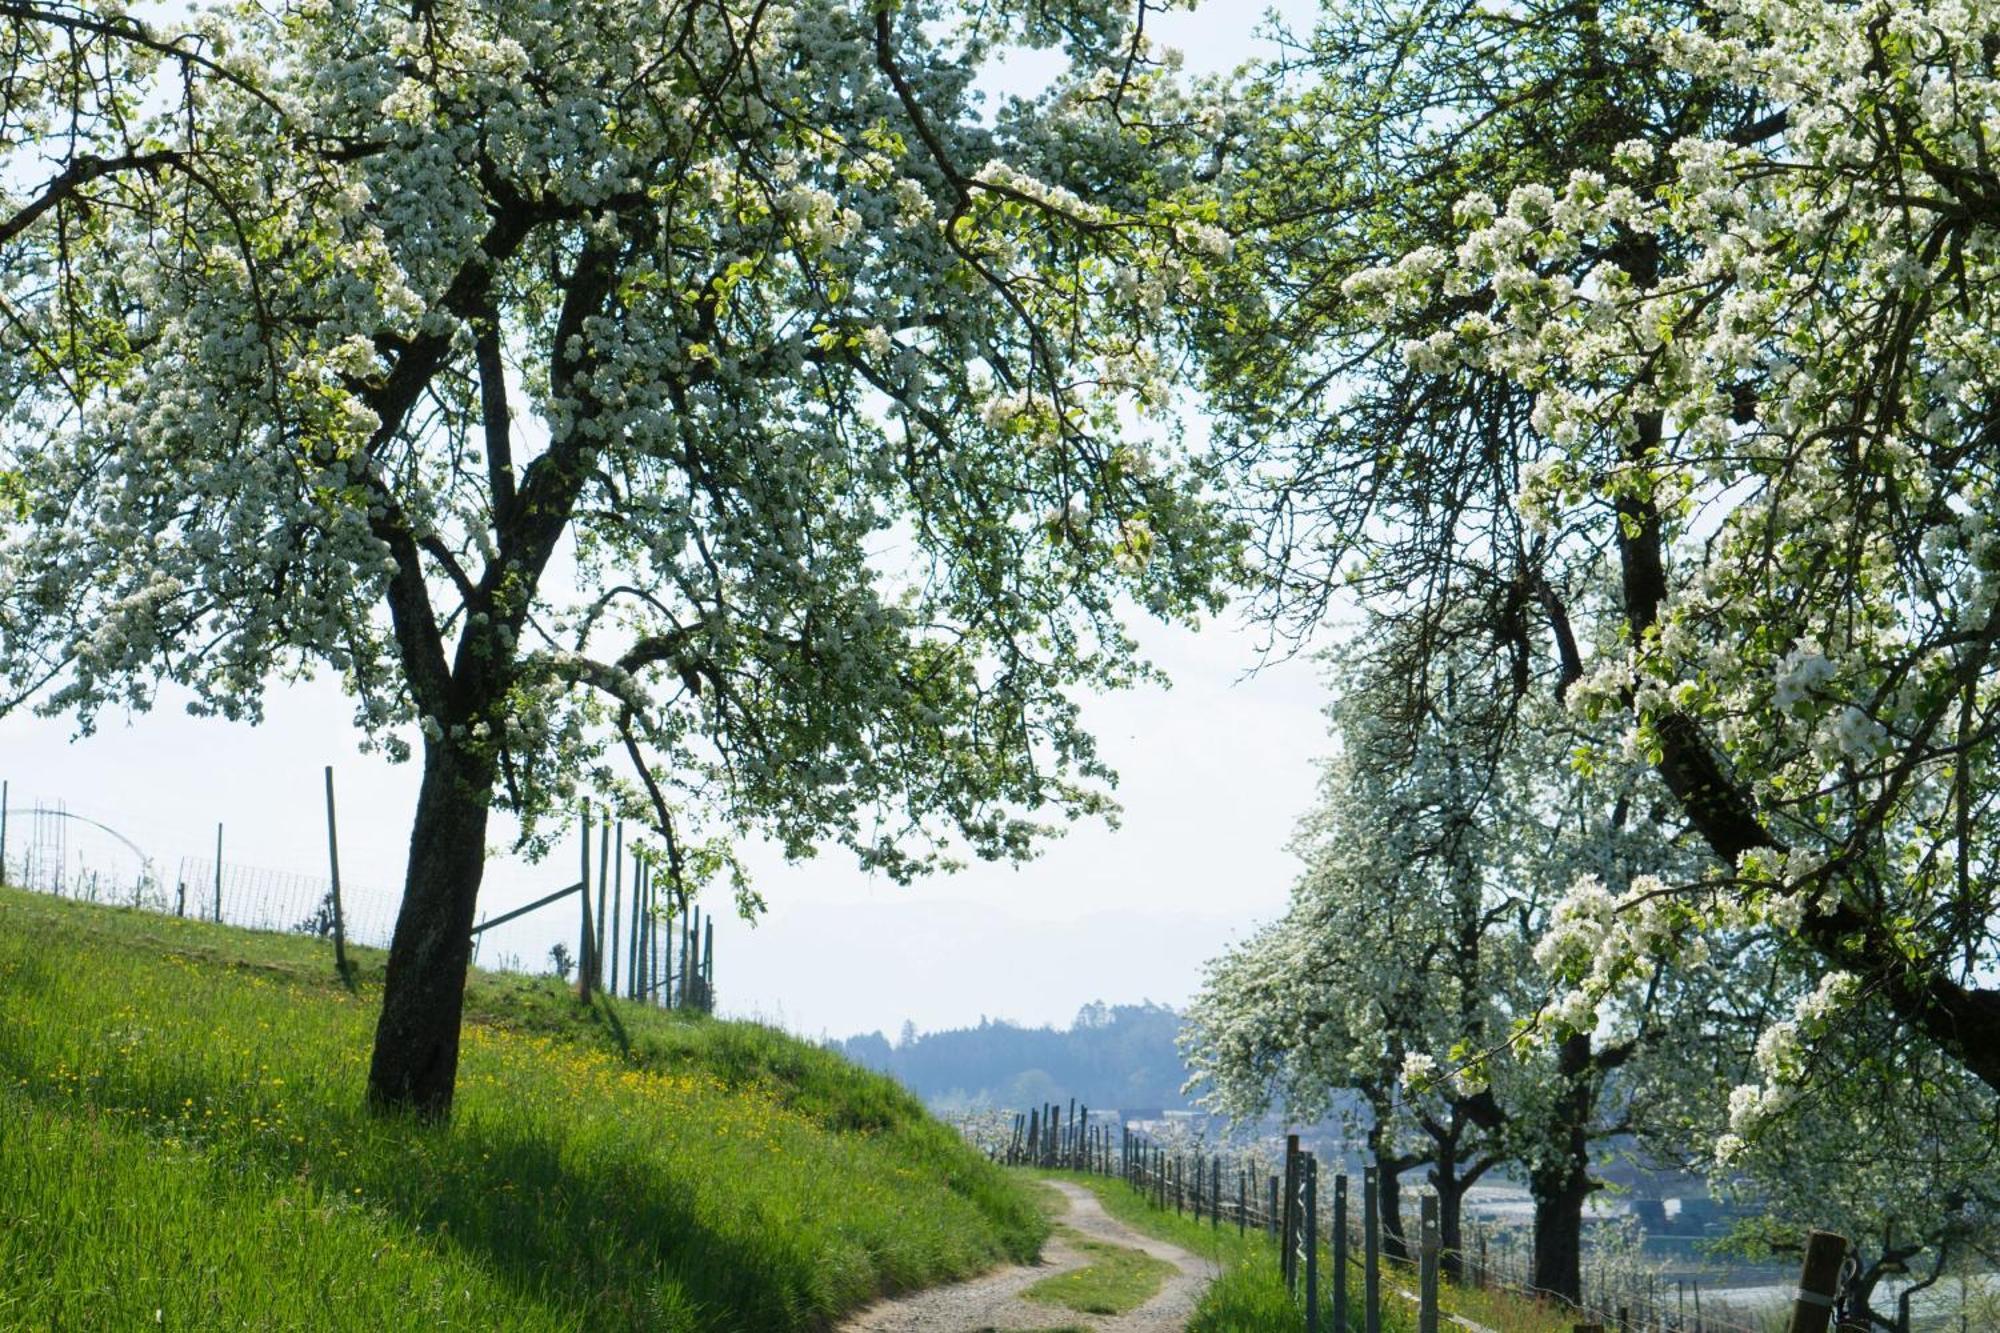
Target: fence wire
1248 1191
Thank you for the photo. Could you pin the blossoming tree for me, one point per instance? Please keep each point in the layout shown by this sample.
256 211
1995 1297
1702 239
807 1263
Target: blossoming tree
1696 295
709 388
1413 955
1760 384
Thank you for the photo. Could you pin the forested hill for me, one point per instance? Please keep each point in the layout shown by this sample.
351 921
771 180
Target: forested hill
1113 1056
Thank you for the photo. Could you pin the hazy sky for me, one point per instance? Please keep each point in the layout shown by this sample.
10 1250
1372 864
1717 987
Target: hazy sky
1215 770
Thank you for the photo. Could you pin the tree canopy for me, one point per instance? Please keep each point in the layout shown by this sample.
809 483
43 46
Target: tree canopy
711 389
1645 347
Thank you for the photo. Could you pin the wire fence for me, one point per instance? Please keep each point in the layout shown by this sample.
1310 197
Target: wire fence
1339 1256
631 937
280 900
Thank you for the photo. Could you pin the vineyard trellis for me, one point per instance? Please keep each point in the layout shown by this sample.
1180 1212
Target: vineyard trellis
642 944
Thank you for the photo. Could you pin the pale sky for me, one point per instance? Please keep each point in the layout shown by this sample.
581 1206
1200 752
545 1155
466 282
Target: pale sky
1214 772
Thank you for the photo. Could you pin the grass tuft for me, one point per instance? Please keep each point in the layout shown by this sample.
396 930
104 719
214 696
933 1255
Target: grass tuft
1116 1279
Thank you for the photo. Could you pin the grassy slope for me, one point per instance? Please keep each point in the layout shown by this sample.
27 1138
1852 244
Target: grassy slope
182 1145
1250 1295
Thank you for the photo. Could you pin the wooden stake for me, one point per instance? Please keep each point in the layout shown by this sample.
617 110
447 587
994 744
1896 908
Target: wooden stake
1819 1276
333 857
587 940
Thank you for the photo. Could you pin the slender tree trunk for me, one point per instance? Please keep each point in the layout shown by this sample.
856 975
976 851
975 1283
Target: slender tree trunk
416 1040
1562 1183
1389 1199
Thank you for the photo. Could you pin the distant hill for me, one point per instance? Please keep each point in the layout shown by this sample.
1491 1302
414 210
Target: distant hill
1113 1056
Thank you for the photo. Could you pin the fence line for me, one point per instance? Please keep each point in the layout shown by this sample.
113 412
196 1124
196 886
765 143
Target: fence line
634 945
1318 1251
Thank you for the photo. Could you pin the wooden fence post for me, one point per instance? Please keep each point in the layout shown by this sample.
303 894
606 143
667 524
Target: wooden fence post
1312 1243
1288 1230
1340 1252
333 857
588 941
604 919
613 919
1819 1276
1427 1266
1371 1250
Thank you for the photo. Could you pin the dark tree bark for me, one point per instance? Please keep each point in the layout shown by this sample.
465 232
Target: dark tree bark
1560 1181
1389 1169
1451 1229
415 1065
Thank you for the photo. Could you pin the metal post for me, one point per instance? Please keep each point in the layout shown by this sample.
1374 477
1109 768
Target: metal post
333 858
218 872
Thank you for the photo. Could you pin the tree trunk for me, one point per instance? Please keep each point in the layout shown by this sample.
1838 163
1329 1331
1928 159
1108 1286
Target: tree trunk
1389 1202
1451 1229
1559 1235
1561 1183
415 1065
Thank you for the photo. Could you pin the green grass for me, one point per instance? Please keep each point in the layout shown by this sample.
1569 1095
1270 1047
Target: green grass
183 1145
1116 1279
1250 1295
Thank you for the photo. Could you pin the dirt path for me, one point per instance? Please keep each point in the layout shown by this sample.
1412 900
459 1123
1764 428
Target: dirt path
993 1302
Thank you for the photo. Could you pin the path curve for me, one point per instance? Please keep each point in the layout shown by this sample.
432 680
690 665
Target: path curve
993 1300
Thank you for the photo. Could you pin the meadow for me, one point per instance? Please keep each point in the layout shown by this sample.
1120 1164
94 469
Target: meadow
183 1144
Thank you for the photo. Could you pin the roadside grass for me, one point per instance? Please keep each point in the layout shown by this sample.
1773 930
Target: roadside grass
1250 1295
183 1144
1116 1280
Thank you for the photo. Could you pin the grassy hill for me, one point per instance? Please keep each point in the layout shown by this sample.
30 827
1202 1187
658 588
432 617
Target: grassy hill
183 1145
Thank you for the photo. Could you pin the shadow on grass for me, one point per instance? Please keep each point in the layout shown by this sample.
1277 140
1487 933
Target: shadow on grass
623 1247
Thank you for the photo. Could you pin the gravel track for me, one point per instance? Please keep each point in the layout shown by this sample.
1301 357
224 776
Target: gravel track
993 1301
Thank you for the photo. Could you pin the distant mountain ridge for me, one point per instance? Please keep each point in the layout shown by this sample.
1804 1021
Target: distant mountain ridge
1118 1057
